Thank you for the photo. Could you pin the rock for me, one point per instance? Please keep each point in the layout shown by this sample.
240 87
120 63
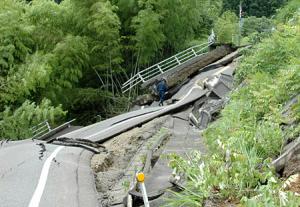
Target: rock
284 158
203 114
144 99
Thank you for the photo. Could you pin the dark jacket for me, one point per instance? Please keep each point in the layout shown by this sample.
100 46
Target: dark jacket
162 86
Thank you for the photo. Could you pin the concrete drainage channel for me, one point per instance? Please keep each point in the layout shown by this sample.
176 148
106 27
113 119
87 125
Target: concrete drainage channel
131 152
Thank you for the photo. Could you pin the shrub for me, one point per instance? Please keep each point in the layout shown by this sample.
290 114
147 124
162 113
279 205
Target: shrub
248 133
16 124
226 27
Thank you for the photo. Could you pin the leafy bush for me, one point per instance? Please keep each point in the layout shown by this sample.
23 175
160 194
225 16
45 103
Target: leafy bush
25 80
273 53
248 133
226 27
286 13
149 36
16 124
255 29
254 24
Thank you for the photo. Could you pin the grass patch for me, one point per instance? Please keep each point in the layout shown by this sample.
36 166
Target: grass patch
248 134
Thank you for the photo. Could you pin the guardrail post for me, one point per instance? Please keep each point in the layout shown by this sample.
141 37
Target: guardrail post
141 78
177 60
141 178
161 71
194 52
48 126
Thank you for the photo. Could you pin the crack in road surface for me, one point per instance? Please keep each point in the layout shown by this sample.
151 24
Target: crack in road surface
42 150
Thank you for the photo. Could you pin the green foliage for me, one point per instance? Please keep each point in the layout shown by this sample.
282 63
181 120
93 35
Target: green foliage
25 80
226 27
15 35
258 8
176 24
273 53
287 12
149 37
16 123
90 105
68 60
48 20
254 24
105 25
185 20
248 133
255 29
46 48
296 111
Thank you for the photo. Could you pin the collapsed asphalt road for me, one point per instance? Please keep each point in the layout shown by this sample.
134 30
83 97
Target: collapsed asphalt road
62 175
36 173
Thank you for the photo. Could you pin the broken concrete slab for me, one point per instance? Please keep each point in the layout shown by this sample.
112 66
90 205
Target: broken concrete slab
201 117
217 86
281 161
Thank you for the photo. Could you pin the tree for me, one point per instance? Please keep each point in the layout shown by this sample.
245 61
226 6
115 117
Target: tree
254 24
149 37
256 8
287 12
226 27
16 123
68 60
176 24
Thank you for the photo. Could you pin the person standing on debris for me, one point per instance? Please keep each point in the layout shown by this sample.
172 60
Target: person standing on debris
161 90
212 37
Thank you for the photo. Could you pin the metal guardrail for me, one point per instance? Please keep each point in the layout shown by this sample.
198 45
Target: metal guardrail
40 129
165 65
54 131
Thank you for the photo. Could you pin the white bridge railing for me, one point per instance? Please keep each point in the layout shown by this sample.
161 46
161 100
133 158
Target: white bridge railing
40 129
165 65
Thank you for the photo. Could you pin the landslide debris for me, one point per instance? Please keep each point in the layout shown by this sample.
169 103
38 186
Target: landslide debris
110 167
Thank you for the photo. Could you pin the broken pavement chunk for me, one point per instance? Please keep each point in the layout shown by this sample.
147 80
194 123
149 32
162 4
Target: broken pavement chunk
218 86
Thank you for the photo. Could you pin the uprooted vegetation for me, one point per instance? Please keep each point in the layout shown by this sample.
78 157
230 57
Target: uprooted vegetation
250 132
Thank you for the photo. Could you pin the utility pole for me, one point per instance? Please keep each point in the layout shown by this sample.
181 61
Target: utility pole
240 24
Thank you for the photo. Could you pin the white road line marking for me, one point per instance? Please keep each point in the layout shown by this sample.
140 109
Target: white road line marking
36 198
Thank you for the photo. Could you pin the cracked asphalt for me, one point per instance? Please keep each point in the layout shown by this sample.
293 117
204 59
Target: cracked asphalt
70 181
33 173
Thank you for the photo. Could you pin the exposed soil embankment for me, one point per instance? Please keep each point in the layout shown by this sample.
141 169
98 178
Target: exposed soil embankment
182 72
110 167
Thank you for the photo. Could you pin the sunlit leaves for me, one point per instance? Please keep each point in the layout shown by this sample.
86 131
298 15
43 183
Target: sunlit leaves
68 60
226 27
16 124
15 37
273 53
149 37
24 81
104 26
